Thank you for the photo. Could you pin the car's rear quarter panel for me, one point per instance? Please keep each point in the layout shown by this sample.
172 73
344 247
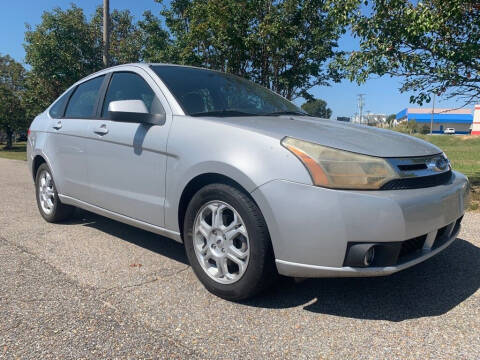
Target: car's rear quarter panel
37 143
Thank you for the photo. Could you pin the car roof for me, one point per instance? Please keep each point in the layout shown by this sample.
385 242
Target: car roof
140 65
148 64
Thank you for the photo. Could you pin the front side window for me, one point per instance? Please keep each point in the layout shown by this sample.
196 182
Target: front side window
83 101
201 91
131 86
56 111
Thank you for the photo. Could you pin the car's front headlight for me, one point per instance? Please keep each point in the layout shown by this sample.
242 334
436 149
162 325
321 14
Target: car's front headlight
338 169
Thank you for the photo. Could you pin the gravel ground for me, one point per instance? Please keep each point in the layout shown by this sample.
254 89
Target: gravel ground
96 288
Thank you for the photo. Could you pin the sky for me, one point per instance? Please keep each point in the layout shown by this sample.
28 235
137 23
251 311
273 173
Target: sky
381 94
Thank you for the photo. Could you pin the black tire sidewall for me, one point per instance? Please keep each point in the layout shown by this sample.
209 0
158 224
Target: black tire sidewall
253 279
53 215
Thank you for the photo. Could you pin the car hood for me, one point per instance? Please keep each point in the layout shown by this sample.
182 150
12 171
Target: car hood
350 137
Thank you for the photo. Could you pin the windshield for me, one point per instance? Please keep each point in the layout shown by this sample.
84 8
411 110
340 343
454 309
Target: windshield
206 92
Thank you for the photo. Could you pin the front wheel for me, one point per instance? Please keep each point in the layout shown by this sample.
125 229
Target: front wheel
227 242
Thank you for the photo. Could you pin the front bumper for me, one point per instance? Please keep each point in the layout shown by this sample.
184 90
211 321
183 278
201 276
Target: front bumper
311 227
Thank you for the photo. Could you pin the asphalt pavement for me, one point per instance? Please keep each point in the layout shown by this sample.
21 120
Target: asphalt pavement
95 288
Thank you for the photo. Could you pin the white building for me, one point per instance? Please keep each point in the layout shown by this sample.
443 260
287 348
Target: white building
371 119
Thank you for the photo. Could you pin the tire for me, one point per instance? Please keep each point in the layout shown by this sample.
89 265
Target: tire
257 270
52 210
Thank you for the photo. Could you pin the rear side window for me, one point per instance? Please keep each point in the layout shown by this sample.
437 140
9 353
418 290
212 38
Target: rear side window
83 101
56 111
131 86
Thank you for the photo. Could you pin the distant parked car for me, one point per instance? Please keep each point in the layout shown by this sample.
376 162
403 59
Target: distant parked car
449 131
248 182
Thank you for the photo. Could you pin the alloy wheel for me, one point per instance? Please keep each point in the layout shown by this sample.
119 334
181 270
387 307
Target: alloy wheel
221 242
46 192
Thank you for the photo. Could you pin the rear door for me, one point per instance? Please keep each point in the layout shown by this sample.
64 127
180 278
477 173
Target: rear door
67 149
127 160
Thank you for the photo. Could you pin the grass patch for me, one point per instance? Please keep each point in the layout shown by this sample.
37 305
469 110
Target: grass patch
464 154
17 152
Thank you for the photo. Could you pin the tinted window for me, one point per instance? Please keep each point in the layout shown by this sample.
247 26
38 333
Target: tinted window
200 90
83 101
56 111
130 86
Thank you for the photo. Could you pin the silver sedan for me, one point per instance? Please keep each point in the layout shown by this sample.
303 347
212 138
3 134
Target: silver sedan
253 186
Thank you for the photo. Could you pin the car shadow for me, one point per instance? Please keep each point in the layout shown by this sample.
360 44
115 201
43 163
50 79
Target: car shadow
145 239
139 138
428 289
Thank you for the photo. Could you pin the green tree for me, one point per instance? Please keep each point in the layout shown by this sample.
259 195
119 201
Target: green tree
66 46
156 41
283 45
434 45
318 108
62 49
412 126
12 114
390 119
126 37
424 129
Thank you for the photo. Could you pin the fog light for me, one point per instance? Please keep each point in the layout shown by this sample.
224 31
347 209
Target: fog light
369 256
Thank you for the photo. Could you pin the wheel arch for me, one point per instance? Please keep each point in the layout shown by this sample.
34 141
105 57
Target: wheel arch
36 162
39 158
198 182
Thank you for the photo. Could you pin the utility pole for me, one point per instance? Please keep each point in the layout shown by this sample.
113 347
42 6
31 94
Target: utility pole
106 32
431 118
361 103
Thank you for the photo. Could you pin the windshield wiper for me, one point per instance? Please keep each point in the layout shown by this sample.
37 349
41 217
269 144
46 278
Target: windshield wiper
223 113
278 113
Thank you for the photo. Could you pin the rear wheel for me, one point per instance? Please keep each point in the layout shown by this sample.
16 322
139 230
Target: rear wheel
49 205
227 242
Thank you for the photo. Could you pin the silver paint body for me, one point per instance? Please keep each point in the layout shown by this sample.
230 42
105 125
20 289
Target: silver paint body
136 174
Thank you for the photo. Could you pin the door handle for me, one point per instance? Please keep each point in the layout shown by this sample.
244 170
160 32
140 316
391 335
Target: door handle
58 125
101 130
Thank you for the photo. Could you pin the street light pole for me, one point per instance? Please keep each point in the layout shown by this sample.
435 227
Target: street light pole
431 118
106 32
361 103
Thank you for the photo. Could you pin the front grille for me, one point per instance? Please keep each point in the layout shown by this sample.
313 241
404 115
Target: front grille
411 246
441 232
399 252
418 182
444 234
412 167
457 225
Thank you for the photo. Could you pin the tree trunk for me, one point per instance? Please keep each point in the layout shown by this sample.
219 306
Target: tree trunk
9 139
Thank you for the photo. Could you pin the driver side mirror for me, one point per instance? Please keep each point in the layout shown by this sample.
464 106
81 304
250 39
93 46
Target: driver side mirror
133 111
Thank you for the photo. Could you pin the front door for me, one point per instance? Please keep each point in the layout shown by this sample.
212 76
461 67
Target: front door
127 160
